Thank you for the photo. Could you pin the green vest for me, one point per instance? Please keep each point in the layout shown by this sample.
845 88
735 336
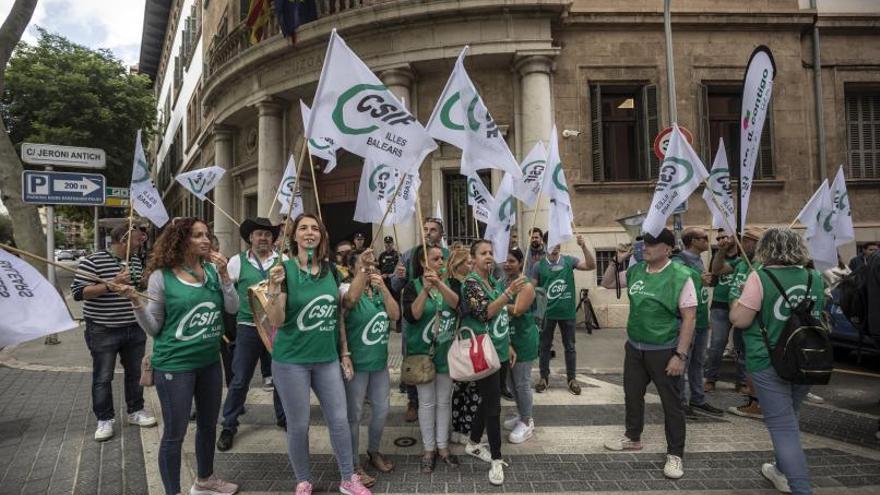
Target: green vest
309 333
721 292
740 275
247 278
419 334
653 303
775 312
702 321
559 285
524 336
366 329
499 327
193 325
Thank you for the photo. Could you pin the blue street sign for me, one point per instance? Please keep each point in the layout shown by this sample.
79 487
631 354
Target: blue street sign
62 188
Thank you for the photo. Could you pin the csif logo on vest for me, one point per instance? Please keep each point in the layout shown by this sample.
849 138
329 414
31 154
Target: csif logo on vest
795 294
376 330
558 289
314 314
704 295
638 287
672 168
370 102
199 320
447 321
501 325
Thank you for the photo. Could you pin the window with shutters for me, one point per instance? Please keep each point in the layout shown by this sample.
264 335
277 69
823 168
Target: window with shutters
863 134
624 123
720 119
459 216
192 30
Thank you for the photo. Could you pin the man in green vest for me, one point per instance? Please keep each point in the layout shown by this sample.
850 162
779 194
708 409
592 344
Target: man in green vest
662 314
245 270
555 275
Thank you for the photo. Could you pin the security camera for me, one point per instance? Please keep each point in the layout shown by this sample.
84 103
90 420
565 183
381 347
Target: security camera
567 133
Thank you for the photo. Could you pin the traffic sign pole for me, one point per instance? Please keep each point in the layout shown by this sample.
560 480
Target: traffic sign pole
50 239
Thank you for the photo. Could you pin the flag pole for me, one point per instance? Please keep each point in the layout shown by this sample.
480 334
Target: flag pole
314 183
421 222
296 171
128 234
302 157
534 220
87 276
221 210
476 227
388 209
793 222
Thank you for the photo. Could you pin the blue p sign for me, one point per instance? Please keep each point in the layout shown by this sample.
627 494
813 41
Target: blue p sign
38 184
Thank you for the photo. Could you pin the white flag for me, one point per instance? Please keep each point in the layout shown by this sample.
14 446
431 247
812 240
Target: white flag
842 221
502 217
817 216
529 187
681 172
286 191
559 223
718 186
462 120
145 198
554 184
479 198
322 147
30 305
355 110
201 181
377 186
757 89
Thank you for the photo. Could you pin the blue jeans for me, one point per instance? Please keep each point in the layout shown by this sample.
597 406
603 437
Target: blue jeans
293 381
105 343
248 349
692 379
376 386
176 390
781 401
566 329
720 324
520 379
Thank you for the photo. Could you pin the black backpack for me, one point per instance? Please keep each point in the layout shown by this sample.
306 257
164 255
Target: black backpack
803 353
854 297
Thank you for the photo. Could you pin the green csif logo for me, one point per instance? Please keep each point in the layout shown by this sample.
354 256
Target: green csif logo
446 113
508 208
720 177
376 104
381 180
558 178
672 168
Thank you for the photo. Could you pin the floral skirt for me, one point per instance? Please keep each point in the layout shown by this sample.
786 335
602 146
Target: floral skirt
465 402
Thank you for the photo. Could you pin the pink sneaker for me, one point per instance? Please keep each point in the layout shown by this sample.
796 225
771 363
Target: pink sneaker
303 488
213 486
354 487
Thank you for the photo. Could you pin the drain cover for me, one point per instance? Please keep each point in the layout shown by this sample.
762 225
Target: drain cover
404 442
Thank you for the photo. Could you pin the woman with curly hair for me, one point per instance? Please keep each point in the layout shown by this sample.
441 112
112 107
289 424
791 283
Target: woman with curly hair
765 305
303 303
190 290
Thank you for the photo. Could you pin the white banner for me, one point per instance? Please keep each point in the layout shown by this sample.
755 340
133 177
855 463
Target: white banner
30 306
376 188
529 187
718 186
757 89
201 181
842 221
502 217
360 114
145 198
322 147
462 120
479 198
286 191
817 216
554 184
681 172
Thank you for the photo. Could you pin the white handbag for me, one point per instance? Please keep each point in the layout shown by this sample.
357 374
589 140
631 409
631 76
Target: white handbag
472 358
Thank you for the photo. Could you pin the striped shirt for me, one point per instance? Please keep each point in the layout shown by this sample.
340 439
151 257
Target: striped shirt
110 309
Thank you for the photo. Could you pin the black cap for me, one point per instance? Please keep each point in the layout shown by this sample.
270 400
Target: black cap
388 238
258 223
665 237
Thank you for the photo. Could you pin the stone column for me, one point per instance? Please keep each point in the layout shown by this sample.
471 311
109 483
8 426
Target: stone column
224 229
536 105
270 155
399 81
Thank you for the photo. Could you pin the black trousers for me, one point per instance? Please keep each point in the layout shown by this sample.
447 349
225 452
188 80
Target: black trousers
488 415
639 369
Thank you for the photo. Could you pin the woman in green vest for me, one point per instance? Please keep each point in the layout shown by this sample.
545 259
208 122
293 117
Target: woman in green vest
783 255
429 304
524 340
368 309
303 304
191 290
484 310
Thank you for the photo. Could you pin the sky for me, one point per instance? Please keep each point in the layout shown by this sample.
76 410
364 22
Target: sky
112 24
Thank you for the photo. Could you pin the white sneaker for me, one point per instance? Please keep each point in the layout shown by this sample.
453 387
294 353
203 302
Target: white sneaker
673 468
623 443
511 422
768 469
522 432
268 384
478 450
104 430
815 399
141 418
496 472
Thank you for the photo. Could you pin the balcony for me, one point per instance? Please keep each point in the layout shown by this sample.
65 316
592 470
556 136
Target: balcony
227 46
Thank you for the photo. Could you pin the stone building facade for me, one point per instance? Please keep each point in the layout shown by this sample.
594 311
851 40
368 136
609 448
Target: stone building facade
595 68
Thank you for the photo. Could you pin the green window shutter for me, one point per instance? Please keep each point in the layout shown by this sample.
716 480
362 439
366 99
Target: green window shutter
651 127
704 130
764 168
853 141
596 132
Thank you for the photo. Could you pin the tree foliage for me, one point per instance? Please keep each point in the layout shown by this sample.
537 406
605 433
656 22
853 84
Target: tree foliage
59 92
